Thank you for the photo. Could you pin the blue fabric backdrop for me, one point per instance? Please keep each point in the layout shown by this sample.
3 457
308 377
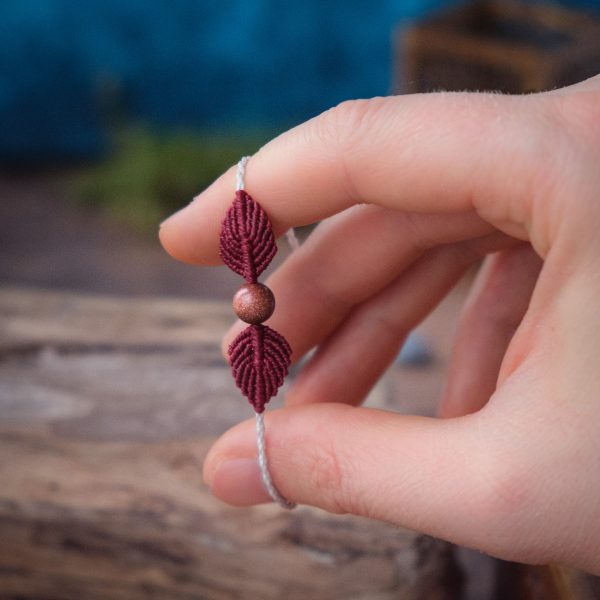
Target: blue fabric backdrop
70 68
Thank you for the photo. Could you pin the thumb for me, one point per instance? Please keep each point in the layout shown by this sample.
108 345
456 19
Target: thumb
426 474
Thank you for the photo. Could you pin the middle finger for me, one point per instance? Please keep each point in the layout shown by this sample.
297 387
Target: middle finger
347 259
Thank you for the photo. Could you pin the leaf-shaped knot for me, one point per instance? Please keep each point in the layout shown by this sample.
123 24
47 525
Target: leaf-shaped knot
247 243
260 358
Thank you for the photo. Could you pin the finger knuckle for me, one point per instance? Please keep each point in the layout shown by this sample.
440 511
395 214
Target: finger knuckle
571 155
574 141
341 124
505 507
506 488
330 473
579 115
548 164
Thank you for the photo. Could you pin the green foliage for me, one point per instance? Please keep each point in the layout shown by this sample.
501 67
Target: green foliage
150 175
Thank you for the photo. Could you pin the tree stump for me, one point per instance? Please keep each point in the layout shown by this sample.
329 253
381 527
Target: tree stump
107 407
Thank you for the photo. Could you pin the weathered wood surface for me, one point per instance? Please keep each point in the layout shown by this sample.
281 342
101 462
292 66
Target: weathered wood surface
107 407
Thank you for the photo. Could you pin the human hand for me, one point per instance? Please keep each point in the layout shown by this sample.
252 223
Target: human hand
417 188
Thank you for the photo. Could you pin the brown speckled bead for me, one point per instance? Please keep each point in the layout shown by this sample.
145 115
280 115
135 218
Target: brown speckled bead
254 303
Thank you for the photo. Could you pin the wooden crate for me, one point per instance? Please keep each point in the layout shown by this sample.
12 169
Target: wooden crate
497 45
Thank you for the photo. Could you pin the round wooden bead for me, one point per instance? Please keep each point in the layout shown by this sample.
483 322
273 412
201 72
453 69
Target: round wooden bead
254 303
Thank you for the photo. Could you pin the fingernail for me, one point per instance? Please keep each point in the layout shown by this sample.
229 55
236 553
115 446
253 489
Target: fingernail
237 481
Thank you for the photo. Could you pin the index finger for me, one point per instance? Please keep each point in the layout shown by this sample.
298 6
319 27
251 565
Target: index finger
427 152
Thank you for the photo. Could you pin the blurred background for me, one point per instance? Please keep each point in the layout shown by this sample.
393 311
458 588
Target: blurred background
114 114
128 109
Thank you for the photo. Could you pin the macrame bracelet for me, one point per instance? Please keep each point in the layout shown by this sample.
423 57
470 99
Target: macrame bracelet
259 355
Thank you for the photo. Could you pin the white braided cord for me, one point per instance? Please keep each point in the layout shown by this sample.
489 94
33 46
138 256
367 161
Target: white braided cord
264 465
261 446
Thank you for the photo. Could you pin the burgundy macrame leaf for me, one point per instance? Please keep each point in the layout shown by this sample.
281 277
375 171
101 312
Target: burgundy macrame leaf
247 243
260 358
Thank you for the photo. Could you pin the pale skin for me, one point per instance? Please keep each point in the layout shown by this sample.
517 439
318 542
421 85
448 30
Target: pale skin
414 190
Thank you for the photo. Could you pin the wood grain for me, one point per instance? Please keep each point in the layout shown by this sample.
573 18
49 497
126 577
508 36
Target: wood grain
107 407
